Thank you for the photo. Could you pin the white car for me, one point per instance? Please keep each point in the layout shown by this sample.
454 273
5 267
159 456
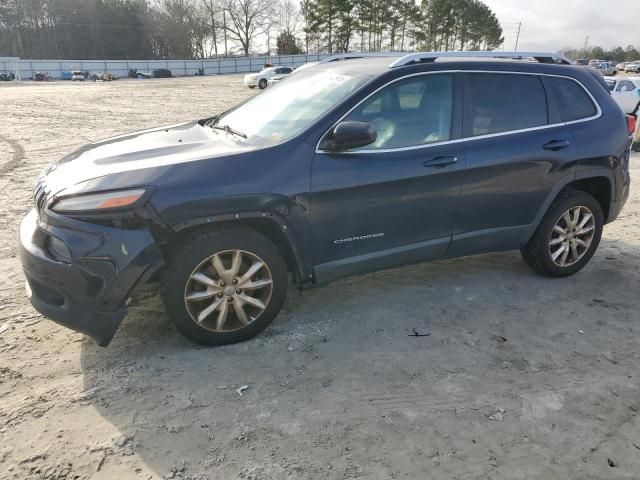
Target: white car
633 67
261 79
77 76
276 79
626 92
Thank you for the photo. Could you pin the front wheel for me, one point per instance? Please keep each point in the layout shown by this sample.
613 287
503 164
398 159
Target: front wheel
225 285
567 237
262 84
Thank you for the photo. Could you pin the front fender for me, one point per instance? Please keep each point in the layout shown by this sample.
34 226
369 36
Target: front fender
286 215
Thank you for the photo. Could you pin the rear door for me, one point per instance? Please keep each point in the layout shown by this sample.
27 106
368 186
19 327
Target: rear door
392 201
516 151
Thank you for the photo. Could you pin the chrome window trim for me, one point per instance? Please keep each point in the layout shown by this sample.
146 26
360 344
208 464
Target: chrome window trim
466 139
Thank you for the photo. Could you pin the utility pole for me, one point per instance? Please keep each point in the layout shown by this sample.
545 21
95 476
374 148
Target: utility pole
224 21
584 49
518 36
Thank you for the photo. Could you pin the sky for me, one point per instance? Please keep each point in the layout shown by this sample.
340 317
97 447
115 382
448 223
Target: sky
557 24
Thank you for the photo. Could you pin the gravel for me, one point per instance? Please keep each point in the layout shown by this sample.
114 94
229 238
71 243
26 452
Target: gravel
521 376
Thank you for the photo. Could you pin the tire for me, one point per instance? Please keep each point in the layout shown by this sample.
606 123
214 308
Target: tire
537 253
252 86
194 257
262 84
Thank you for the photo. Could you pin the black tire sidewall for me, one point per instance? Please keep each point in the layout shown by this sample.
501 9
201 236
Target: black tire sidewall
262 84
543 234
203 245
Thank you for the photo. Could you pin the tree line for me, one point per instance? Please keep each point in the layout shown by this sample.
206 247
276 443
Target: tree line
181 29
375 25
618 54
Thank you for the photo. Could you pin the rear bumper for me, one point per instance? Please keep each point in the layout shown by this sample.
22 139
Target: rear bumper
86 290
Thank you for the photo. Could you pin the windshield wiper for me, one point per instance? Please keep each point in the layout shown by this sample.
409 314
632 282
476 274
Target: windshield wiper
228 129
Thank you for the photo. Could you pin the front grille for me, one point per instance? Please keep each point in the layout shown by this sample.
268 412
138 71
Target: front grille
40 194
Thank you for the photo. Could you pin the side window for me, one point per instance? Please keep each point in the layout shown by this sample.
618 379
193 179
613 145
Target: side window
410 112
504 102
611 85
625 86
286 70
573 100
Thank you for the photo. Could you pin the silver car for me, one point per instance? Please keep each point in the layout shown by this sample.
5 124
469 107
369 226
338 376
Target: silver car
633 67
606 69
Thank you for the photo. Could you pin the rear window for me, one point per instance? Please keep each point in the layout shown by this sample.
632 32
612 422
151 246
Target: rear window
625 86
504 102
573 101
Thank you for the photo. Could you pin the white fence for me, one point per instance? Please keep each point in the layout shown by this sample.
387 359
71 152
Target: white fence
26 68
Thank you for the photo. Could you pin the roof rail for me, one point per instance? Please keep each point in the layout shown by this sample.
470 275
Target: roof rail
542 57
347 56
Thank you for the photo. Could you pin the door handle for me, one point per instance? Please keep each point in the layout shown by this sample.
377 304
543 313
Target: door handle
440 162
556 145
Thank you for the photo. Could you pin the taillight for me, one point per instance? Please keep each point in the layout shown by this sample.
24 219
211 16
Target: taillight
631 124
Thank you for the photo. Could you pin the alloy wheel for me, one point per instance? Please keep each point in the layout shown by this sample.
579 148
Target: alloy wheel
228 290
571 236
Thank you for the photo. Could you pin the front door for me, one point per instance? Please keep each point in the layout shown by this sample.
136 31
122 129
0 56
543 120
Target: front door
393 201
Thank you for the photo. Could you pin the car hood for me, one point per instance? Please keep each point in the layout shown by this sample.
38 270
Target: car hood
158 147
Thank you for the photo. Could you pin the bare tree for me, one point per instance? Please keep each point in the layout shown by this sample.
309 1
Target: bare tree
248 19
288 16
214 10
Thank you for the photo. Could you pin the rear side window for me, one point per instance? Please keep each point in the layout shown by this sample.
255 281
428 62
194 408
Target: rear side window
573 101
504 102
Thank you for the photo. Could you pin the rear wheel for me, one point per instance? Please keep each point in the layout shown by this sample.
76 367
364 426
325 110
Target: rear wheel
225 286
567 237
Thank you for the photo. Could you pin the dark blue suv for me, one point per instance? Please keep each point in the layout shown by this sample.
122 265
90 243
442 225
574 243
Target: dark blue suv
345 167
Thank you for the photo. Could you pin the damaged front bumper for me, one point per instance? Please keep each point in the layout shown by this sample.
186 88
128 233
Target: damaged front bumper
80 274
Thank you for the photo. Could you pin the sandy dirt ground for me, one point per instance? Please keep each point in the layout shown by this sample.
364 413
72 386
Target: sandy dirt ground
521 377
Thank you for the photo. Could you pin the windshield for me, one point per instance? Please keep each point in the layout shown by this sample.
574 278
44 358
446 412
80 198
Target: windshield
286 109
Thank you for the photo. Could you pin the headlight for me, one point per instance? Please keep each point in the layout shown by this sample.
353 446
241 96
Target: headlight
98 201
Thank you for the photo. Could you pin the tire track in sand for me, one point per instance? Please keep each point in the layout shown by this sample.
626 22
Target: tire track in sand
18 155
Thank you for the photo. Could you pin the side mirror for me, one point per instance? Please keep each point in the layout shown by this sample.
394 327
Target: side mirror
348 135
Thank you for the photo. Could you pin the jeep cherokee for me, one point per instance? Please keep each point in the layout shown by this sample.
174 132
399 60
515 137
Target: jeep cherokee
351 165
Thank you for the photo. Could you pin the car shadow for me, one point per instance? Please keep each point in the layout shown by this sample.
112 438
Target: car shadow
412 358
